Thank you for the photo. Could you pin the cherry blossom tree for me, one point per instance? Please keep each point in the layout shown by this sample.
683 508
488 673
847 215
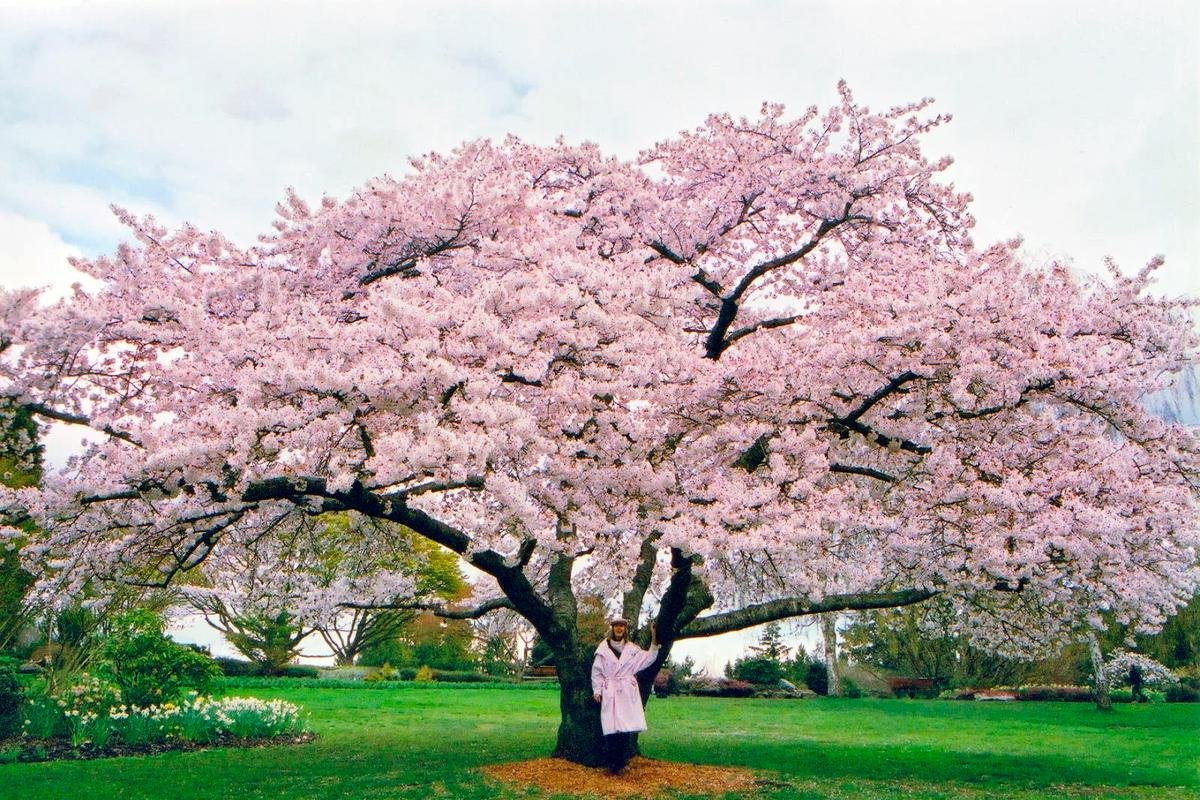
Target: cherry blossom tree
759 372
328 575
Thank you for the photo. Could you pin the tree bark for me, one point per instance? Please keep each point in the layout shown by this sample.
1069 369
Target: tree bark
829 637
1103 699
579 736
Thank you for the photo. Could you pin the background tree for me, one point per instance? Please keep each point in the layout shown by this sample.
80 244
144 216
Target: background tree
267 597
924 642
350 631
20 467
763 372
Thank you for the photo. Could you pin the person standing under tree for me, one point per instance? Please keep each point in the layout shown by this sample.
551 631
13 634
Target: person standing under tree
615 688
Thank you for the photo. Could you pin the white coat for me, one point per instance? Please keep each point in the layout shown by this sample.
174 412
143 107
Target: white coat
614 679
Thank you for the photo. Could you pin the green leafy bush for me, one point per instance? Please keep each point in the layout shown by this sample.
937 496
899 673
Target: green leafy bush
851 689
758 670
12 697
817 678
150 668
386 672
237 667
300 671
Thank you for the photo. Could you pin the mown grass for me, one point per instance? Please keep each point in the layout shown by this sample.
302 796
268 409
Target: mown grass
426 741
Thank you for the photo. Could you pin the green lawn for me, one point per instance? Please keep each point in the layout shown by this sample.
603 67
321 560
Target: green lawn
425 741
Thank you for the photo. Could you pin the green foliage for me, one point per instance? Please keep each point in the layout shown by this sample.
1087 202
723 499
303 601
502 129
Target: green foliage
268 640
816 677
498 656
12 697
918 642
427 641
234 667
43 718
300 671
401 680
770 644
392 651
851 690
386 672
1178 643
150 668
758 670
424 675
20 467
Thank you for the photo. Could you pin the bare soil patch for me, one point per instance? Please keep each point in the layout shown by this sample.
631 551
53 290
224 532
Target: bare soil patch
642 778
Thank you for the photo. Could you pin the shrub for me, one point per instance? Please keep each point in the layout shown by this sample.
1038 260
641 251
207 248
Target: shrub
386 672
816 678
1183 693
449 676
391 651
424 675
736 688
1075 694
299 671
150 668
851 689
758 670
12 697
237 667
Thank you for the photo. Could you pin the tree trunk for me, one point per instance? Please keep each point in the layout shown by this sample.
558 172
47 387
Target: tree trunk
1103 700
579 736
829 635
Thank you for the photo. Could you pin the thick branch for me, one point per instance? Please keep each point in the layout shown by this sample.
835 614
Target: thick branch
410 263
766 324
890 387
850 469
439 610
774 610
631 606
717 342
75 419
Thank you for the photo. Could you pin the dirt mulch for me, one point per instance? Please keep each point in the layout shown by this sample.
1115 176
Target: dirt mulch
642 778
22 749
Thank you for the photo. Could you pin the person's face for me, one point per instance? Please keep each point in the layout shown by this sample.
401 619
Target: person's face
618 631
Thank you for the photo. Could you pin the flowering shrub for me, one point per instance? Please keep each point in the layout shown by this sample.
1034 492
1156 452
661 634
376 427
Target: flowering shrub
1123 662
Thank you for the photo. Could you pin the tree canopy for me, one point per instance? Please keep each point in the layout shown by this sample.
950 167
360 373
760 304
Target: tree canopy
760 371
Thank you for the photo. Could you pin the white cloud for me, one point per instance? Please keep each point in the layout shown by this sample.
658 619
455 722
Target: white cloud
31 254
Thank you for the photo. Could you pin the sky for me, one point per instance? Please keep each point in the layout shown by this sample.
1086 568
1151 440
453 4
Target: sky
1076 124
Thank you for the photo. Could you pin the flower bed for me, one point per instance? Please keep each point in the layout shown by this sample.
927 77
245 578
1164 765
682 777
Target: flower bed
88 721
